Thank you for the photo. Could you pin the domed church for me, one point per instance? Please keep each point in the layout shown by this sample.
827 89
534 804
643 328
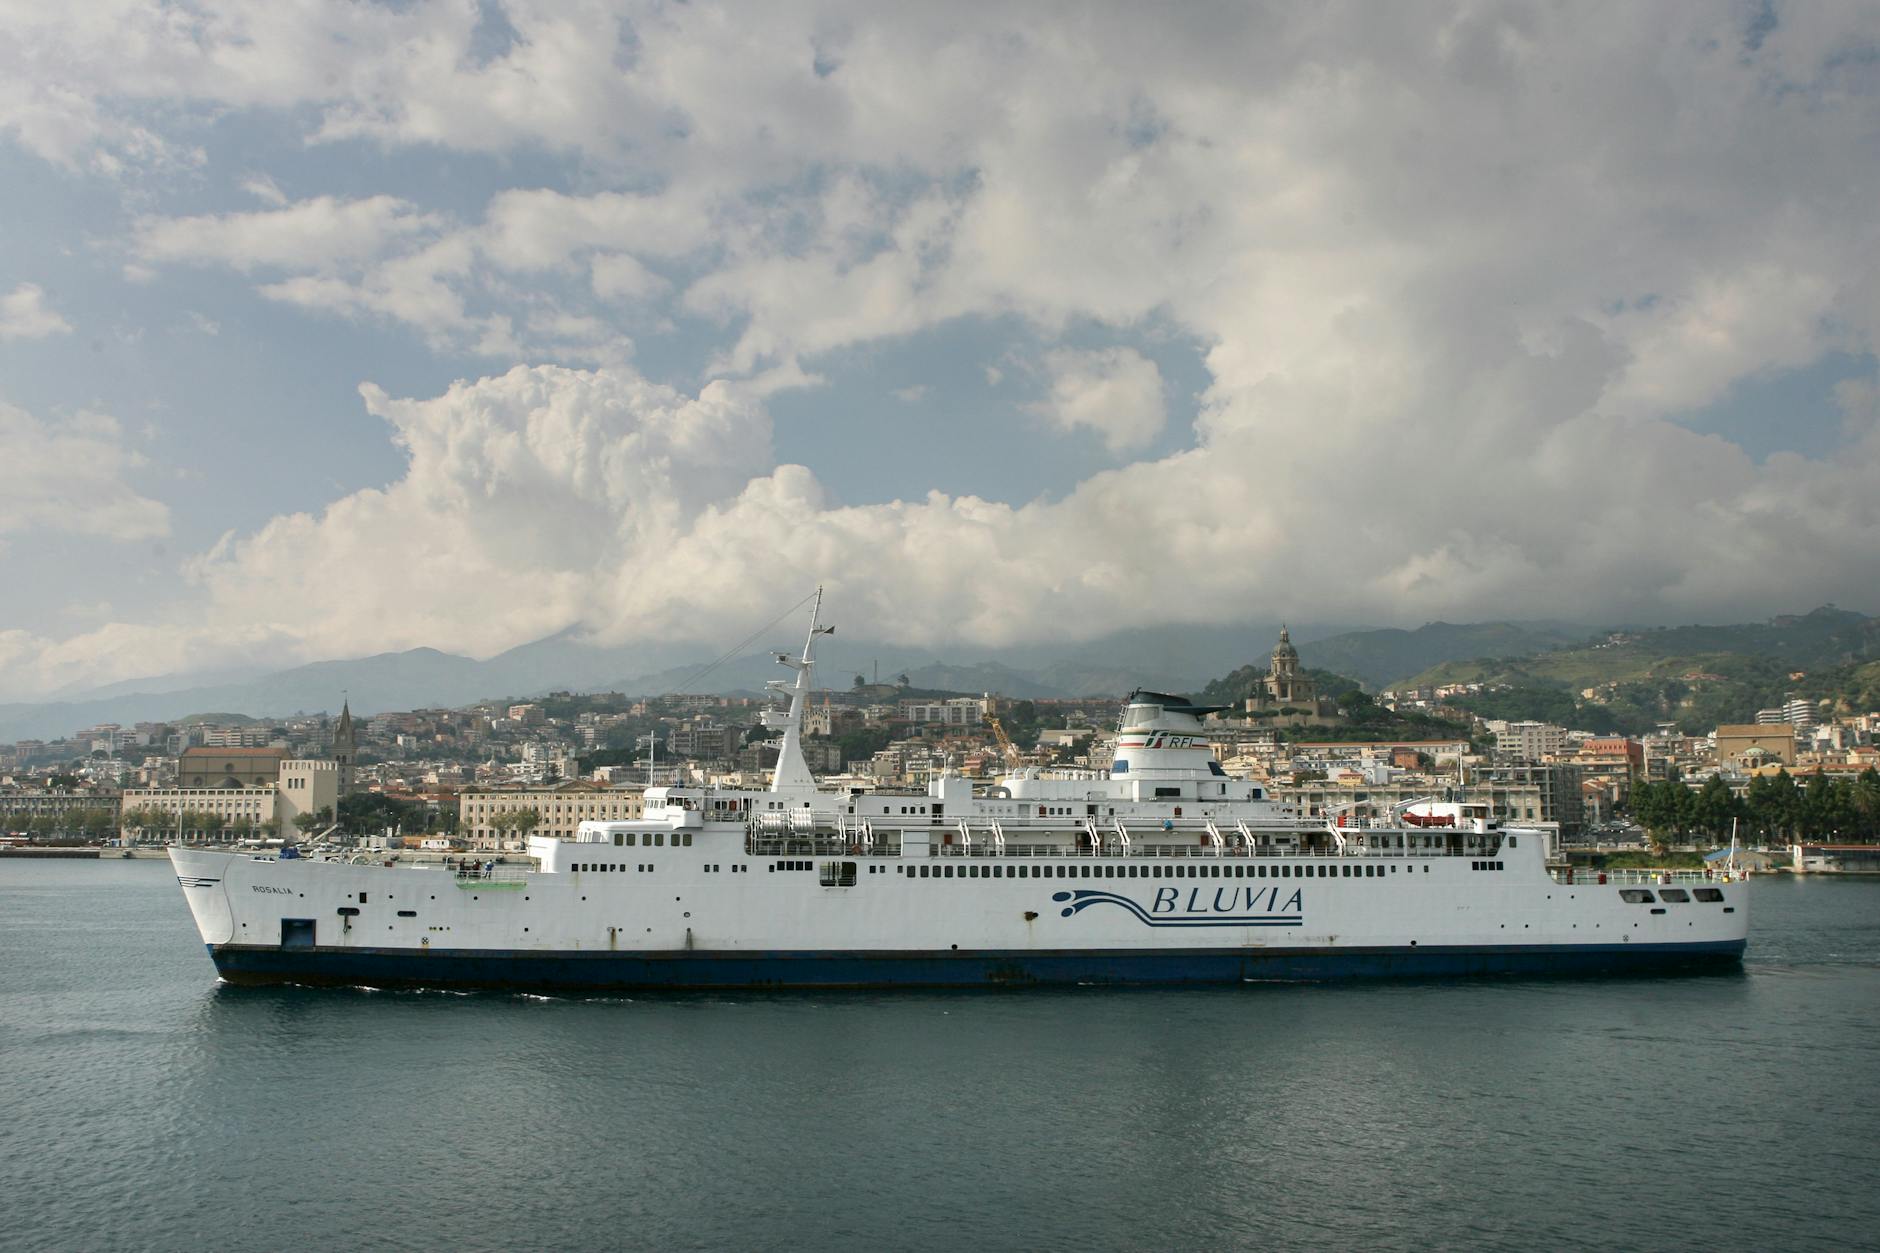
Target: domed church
1285 687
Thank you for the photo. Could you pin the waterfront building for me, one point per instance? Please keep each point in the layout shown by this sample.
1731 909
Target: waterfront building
306 787
559 808
201 815
19 807
264 808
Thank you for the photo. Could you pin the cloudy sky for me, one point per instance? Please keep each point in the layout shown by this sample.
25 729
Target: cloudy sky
327 329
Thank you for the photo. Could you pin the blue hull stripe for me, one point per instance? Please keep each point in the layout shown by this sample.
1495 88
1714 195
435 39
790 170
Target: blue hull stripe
617 971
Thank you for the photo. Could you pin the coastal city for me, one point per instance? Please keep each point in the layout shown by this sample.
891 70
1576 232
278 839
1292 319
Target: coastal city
1800 782
869 627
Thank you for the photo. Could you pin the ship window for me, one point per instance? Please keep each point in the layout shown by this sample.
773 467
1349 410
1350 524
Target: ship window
1086 873
1677 896
1709 895
362 898
1635 896
659 838
947 871
687 837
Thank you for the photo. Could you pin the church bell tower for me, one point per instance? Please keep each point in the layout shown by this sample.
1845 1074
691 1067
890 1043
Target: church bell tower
344 748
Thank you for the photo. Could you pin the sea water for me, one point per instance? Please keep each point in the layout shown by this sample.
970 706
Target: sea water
145 1105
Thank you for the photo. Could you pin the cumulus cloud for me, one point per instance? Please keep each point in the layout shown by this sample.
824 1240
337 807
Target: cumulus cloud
72 477
25 315
1451 269
528 499
1114 392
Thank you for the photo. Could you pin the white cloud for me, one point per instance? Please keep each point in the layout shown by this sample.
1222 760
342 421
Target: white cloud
529 499
322 234
620 276
71 477
1450 268
24 314
265 189
1115 392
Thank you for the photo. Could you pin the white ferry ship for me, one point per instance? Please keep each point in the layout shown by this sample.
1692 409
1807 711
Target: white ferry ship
1160 870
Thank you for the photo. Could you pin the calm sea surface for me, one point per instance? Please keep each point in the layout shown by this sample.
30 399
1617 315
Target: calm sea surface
142 1105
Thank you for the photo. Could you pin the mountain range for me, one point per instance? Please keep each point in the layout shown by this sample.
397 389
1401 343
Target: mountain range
1168 658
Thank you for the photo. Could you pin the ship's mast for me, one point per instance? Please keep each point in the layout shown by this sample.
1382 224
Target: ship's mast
792 772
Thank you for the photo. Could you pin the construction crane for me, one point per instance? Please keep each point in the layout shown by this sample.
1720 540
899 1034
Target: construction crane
1013 757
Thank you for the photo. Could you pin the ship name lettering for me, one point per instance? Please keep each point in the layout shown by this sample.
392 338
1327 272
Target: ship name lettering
1227 901
262 887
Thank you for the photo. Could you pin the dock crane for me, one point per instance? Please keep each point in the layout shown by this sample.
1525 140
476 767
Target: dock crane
1013 757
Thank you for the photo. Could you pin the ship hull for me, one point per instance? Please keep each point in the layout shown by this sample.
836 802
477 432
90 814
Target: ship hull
605 972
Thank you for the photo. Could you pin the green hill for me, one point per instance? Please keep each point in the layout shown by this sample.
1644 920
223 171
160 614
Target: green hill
1697 676
1380 658
1240 683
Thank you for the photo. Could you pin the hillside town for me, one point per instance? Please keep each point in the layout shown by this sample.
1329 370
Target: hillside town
482 779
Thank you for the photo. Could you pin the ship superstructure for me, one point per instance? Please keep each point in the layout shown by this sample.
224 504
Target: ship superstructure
1162 869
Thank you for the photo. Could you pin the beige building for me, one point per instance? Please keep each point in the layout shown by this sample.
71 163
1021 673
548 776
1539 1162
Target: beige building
1747 745
306 787
560 808
249 810
259 810
229 767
